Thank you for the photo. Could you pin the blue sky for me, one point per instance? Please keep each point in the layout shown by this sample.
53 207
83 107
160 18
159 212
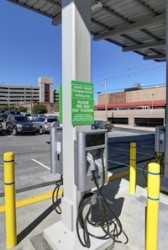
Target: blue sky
30 47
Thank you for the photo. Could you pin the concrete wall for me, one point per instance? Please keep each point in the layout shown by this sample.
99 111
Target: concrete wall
101 99
117 98
152 94
130 114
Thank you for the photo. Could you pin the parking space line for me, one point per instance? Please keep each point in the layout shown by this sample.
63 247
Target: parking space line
41 164
123 164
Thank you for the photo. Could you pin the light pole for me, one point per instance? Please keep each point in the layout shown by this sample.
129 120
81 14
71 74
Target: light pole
8 100
105 95
31 99
152 100
99 92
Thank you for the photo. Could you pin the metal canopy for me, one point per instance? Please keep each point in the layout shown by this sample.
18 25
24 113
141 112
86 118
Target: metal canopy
135 25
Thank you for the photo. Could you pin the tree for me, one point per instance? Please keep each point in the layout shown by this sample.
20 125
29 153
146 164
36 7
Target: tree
22 109
39 109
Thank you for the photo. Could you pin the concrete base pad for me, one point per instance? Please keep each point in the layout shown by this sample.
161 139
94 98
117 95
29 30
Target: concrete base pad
130 209
60 238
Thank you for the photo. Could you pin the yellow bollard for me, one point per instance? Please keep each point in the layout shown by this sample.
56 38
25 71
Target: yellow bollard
132 176
152 219
10 201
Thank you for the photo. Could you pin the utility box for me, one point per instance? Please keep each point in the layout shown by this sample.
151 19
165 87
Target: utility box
160 139
91 158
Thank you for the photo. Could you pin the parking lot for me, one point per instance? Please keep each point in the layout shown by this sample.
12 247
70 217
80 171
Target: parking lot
32 155
32 159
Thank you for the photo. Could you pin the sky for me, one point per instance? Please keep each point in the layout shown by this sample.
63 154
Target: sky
30 47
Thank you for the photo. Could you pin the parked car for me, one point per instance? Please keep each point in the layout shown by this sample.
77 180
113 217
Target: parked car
20 124
1 127
43 124
102 125
2 115
25 114
35 116
6 113
53 116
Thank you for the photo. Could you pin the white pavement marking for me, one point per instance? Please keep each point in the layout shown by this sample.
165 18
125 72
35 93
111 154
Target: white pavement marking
119 163
41 164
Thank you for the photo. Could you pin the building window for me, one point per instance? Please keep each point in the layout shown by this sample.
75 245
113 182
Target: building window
47 92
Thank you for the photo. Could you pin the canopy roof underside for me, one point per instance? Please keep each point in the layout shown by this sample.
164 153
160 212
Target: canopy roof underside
135 25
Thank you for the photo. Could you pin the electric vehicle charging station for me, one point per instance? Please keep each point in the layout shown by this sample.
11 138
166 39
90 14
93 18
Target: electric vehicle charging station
91 156
56 149
160 139
76 63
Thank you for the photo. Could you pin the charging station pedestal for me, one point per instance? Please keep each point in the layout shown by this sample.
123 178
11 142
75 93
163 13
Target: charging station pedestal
92 142
160 138
56 149
58 236
91 147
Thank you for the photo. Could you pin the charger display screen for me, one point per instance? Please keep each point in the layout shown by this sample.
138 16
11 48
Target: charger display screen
95 140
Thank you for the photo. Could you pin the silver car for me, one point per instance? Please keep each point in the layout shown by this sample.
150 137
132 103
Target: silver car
34 117
43 124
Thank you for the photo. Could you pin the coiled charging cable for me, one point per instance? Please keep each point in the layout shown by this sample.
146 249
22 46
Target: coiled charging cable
111 228
55 195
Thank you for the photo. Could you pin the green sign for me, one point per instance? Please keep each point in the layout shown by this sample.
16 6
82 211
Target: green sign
82 103
60 103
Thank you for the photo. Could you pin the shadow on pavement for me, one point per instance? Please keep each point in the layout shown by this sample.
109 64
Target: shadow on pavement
36 222
109 192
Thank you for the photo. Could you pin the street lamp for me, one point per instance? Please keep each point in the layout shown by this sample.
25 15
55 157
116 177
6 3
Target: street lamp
98 93
105 96
31 99
8 99
152 101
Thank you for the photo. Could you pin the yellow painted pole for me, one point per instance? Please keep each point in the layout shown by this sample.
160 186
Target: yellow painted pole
10 201
152 219
132 176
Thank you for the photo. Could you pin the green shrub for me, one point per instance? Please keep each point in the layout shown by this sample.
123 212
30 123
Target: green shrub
39 109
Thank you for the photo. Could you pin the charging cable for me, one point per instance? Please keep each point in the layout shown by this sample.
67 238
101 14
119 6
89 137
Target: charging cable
106 219
55 195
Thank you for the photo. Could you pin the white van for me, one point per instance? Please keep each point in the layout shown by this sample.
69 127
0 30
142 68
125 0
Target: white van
143 107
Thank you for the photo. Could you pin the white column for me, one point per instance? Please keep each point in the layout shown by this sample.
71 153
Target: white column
76 60
164 180
166 140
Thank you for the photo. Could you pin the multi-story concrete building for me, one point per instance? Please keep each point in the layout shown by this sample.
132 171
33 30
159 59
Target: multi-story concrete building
18 95
12 95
